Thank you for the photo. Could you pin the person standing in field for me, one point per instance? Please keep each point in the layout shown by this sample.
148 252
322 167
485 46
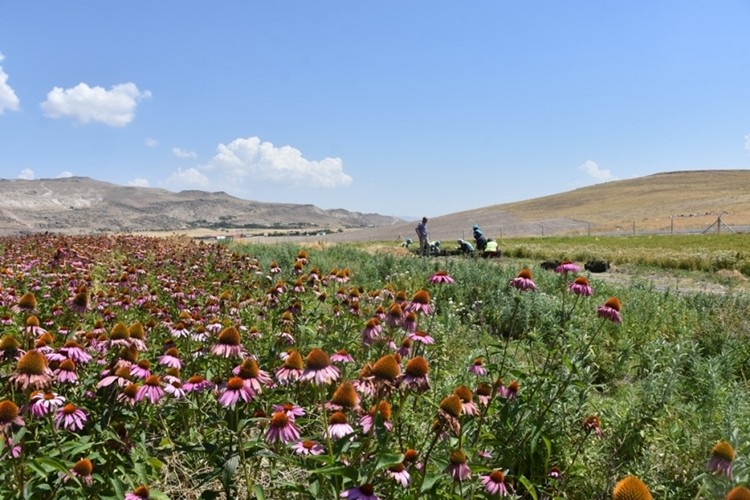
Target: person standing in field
424 242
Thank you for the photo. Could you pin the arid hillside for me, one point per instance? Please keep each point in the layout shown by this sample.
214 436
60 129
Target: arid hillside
83 205
689 201
675 201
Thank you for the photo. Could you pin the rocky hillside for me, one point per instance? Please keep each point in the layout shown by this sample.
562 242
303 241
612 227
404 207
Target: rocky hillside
84 205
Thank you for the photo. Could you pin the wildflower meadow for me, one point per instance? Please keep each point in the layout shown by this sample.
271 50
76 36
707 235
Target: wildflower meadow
136 367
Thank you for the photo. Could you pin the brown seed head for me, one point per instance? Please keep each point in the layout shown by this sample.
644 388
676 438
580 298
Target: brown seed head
317 359
417 367
464 393
345 395
229 336
386 368
451 405
32 363
631 488
457 457
119 332
8 411
293 361
83 467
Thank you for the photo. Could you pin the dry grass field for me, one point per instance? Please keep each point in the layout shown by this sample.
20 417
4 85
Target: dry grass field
682 201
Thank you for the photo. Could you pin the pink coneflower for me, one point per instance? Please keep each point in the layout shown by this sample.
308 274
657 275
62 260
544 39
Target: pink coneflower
510 392
308 448
291 410
367 421
119 336
399 474
554 472
275 268
234 391
140 493
282 429
75 351
721 459
409 322
420 303
27 303
477 368
82 470
32 371
141 370
371 331
151 390
494 483
197 383
121 377
254 377
129 394
523 281
44 403
32 326
342 356
405 349
291 370
420 336
10 348
467 404
441 277
483 393
592 423
174 388
345 396
580 286
70 417
228 345
457 468
611 310
66 372
567 267
79 303
9 416
416 374
361 492
170 358
395 315
338 426
319 369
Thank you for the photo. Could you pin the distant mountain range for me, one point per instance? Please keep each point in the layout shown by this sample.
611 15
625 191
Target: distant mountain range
680 201
84 205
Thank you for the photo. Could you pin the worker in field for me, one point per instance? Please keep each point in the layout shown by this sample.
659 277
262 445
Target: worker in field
491 249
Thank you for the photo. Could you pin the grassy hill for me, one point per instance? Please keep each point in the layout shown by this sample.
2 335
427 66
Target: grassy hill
686 201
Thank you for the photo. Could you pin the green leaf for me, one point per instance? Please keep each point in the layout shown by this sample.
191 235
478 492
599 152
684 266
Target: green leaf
529 487
338 470
388 459
259 493
429 482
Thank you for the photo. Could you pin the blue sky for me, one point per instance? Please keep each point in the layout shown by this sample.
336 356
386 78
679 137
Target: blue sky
400 108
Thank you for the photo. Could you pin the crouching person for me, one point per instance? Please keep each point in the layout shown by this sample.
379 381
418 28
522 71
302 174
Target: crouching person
491 249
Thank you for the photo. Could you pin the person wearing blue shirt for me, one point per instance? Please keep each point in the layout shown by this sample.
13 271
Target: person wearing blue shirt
424 242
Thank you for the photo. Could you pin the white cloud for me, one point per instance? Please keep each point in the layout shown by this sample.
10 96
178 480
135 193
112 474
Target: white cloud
65 174
139 182
747 143
26 174
252 160
592 170
114 107
151 142
8 98
181 153
190 177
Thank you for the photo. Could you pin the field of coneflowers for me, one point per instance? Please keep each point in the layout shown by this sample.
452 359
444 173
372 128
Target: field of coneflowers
137 368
